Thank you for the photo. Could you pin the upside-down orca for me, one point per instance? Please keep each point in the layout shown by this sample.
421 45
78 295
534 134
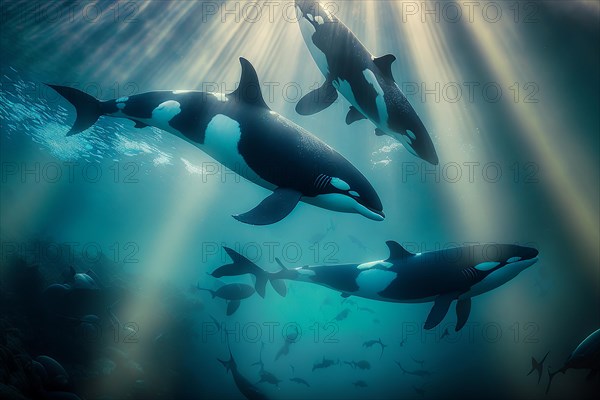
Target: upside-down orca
364 80
441 276
241 132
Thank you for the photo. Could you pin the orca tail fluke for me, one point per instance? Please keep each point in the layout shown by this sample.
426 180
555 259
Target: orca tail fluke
261 276
88 108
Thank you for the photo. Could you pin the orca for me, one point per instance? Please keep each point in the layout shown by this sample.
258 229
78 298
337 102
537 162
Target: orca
241 132
585 356
441 276
364 80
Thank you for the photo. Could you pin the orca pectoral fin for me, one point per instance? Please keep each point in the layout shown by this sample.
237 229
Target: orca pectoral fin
439 310
463 309
272 209
279 286
353 116
317 100
232 306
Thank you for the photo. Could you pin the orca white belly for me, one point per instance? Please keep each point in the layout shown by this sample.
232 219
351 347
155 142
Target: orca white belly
308 31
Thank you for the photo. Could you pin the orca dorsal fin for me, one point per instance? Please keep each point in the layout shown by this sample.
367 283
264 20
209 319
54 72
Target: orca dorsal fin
397 252
248 90
384 63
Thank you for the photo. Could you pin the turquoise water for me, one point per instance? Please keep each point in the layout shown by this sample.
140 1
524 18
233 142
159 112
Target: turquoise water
148 213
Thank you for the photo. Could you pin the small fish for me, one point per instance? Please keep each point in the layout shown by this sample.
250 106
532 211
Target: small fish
365 309
370 343
421 362
231 292
420 391
358 243
216 322
445 333
349 301
300 381
284 350
289 340
317 237
342 315
538 366
87 280
260 361
362 364
326 363
268 377
265 376
422 373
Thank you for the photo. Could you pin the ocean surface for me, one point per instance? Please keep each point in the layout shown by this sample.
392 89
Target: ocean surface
509 92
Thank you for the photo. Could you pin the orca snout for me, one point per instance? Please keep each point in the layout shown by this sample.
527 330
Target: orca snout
530 253
375 215
430 156
371 207
370 211
422 146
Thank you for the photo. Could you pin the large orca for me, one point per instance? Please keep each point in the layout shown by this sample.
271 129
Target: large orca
364 80
242 133
442 276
